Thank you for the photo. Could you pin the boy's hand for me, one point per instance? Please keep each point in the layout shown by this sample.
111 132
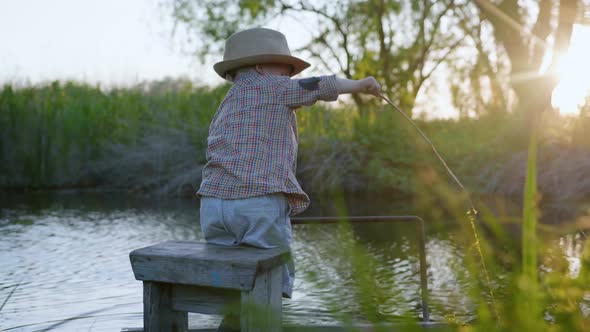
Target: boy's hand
370 85
367 85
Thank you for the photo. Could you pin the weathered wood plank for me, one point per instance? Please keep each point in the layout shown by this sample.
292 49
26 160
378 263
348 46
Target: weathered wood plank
198 263
158 315
204 300
261 307
392 327
202 251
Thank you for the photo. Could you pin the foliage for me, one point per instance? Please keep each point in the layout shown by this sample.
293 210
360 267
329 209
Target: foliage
56 135
525 32
543 294
399 43
153 136
494 50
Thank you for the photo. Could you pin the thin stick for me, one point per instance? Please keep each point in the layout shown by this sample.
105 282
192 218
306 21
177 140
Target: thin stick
473 210
471 213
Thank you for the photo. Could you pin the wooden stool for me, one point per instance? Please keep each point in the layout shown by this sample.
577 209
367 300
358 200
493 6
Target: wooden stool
184 276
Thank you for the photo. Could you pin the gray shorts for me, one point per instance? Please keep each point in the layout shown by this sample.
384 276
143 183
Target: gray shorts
261 221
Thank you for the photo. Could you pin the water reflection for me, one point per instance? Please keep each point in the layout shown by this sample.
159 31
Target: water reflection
64 264
572 246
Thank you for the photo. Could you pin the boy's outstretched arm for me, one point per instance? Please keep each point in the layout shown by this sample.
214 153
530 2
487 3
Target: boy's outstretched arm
367 85
305 92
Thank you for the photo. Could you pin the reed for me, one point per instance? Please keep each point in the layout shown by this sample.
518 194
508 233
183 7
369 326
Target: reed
65 134
535 287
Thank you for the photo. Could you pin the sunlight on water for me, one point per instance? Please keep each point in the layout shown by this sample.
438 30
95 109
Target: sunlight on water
572 247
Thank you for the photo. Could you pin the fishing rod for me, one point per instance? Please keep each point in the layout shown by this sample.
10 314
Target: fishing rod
472 210
471 213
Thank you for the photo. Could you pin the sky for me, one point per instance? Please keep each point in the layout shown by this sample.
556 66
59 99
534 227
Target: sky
122 42
109 41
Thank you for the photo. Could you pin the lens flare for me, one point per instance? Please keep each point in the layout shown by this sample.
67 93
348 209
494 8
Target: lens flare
574 73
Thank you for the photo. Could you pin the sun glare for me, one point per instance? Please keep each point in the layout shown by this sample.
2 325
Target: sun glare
574 73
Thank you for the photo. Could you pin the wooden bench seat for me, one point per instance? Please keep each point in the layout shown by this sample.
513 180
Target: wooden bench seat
186 276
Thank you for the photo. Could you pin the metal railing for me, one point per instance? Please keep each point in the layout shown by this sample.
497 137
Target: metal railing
421 236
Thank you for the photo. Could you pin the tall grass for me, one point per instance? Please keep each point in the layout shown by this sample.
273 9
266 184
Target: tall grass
70 134
529 306
535 286
153 136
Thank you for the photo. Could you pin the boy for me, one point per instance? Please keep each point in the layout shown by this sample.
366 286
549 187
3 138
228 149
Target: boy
249 189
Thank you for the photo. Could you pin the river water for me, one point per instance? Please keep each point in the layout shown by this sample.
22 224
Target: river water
64 263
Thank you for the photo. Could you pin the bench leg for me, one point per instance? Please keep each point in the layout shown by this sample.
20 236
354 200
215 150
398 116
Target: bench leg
261 308
158 315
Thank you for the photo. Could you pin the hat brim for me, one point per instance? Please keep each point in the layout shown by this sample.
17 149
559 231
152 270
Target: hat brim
222 67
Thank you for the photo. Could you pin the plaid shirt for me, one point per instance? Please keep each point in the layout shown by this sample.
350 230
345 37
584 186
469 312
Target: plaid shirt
252 143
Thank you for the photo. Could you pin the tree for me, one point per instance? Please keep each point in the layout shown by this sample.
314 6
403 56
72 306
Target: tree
527 45
401 43
480 84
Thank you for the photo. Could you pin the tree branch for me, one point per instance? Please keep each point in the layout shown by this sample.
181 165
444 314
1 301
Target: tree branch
303 6
541 29
419 62
383 51
437 62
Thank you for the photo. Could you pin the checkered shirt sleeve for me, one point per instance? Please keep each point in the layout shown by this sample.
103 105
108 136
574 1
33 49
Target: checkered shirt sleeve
305 92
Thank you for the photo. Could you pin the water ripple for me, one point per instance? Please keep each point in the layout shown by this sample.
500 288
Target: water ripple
65 266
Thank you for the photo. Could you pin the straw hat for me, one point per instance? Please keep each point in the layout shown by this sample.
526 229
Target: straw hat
257 46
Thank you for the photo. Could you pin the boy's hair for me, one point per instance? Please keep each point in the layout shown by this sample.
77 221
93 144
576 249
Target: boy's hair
231 75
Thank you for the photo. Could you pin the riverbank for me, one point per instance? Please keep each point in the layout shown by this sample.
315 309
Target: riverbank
152 138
